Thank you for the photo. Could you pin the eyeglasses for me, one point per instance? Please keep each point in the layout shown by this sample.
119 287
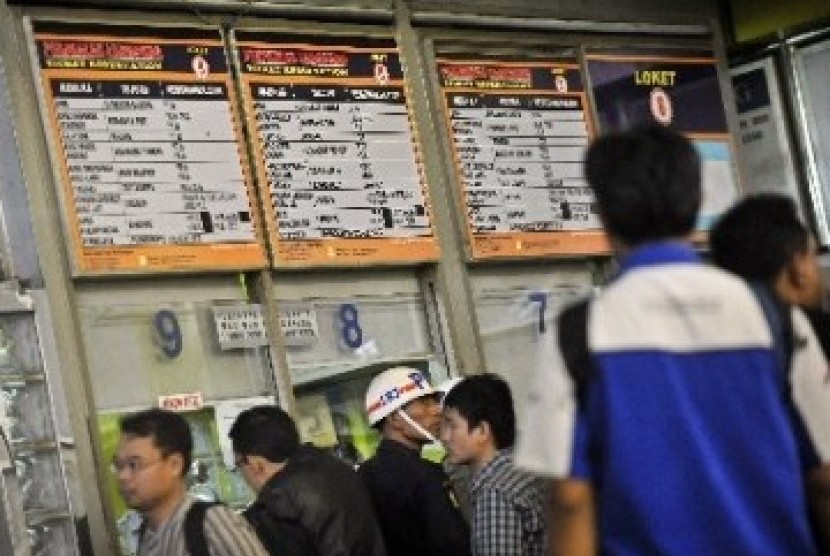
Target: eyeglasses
238 462
131 465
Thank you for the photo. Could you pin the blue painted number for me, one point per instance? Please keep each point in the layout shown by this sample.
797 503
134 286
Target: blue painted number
350 331
542 299
169 333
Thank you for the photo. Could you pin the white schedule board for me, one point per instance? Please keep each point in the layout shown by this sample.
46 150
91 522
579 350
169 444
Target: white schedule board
146 137
519 133
337 157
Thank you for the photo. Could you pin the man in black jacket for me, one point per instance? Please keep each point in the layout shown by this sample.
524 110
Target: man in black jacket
308 501
413 497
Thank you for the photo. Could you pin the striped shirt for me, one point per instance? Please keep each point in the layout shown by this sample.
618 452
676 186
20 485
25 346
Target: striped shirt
508 510
227 534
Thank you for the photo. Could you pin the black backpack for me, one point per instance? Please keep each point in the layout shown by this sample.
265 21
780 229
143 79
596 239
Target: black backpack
194 528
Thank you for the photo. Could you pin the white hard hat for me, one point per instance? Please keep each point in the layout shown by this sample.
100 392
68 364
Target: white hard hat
394 388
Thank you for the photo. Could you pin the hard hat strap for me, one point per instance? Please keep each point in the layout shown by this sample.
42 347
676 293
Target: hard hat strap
425 433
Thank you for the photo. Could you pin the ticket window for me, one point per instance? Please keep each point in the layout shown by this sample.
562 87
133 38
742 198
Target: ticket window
514 309
336 344
151 346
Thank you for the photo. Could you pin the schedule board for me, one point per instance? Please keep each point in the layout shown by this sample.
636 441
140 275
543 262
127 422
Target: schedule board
146 136
337 157
519 132
680 90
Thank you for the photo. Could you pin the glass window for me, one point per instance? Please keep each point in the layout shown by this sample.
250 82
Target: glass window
510 323
140 353
354 339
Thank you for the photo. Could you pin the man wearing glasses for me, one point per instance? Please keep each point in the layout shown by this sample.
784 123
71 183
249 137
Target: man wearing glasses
152 459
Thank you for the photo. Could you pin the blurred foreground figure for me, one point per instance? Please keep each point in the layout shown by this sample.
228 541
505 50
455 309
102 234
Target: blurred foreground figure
762 240
663 408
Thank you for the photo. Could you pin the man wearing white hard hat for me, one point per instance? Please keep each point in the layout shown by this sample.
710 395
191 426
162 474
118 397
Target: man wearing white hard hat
418 514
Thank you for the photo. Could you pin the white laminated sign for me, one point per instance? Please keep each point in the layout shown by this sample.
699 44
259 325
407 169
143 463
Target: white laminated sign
239 326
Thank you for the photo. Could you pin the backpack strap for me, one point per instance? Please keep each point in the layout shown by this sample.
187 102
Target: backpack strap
779 319
573 344
194 528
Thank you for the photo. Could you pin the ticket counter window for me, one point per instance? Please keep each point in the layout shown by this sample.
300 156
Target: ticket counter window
511 324
336 346
173 355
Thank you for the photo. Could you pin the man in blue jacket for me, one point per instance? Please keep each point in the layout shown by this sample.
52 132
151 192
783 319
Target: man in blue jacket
662 409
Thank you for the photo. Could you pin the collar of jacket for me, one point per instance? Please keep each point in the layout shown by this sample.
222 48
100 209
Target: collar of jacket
390 445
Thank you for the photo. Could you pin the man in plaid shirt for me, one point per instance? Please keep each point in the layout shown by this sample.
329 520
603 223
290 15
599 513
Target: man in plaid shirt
508 509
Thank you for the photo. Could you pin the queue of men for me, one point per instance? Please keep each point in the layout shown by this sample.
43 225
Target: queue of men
684 410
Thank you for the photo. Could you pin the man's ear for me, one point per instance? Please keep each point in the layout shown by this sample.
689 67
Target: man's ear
805 278
796 270
790 275
791 280
260 469
256 465
177 461
484 429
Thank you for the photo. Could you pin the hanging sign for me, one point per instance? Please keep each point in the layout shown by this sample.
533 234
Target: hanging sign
337 156
677 90
239 326
146 136
299 326
519 132
764 151
182 402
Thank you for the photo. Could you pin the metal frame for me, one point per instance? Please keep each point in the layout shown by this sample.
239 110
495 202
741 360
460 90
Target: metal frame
19 251
558 25
808 158
34 303
14 539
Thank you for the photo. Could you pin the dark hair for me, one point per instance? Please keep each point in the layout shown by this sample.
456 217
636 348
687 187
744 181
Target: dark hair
647 183
169 431
267 431
758 237
485 398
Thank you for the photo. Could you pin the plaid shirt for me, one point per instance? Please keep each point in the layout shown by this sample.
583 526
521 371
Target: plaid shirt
508 513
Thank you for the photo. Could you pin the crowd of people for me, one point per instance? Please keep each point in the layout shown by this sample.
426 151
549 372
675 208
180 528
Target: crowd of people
682 410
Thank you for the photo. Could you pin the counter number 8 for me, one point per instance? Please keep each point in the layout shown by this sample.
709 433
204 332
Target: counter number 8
350 331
